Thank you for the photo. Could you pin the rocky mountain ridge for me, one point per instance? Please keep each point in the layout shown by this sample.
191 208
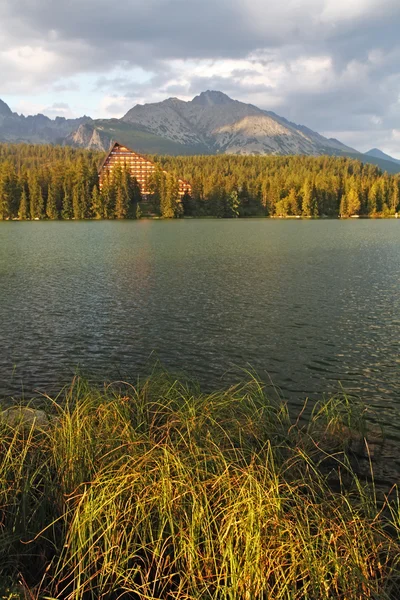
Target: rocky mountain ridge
37 129
223 125
5 110
375 152
211 123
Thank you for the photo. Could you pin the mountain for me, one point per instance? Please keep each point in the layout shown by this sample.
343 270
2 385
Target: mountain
211 123
376 153
88 136
5 110
37 129
216 123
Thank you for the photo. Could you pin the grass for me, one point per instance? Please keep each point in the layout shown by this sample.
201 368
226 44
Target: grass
159 491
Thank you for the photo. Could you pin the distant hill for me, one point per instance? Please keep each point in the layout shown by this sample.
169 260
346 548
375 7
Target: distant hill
384 165
37 129
376 153
211 123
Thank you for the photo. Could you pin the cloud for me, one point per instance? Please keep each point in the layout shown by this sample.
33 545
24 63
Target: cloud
329 64
27 107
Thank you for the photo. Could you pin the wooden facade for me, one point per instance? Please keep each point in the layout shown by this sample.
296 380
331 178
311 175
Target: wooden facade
138 166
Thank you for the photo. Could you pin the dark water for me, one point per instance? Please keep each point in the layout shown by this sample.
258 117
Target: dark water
305 303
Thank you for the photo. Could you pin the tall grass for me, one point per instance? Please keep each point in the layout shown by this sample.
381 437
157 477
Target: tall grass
159 491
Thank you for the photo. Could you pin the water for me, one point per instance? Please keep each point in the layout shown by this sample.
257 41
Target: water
307 304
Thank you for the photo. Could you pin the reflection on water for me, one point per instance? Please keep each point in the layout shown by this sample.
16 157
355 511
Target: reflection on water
305 303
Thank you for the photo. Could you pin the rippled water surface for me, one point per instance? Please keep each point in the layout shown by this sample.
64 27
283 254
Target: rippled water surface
305 303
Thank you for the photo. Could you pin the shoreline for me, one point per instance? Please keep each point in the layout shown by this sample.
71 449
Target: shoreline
246 218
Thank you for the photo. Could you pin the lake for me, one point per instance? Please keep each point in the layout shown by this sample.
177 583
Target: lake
307 304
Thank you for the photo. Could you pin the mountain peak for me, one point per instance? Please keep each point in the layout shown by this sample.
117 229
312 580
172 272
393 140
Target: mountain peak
212 98
376 153
5 110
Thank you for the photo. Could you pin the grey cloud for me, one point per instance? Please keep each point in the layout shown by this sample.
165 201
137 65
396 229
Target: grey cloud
94 36
163 29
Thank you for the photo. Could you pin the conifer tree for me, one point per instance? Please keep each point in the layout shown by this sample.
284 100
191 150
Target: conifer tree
293 203
395 198
66 212
23 212
187 206
51 207
169 197
307 205
353 201
344 207
96 206
80 205
374 199
135 199
108 198
36 199
9 192
121 204
232 204
156 184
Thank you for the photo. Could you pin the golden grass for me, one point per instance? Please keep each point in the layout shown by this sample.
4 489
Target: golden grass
159 491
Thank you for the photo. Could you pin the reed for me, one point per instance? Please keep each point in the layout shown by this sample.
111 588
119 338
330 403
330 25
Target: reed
158 491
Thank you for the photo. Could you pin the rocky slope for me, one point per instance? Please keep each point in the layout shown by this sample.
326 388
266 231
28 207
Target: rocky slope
5 110
37 129
221 124
88 136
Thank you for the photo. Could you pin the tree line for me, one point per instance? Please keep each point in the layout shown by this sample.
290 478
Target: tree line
54 182
240 186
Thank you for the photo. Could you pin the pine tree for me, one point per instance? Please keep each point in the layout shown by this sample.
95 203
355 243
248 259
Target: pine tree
156 184
187 205
108 198
66 212
169 197
96 206
36 198
374 199
9 193
23 212
80 194
353 201
344 207
121 204
232 204
307 205
394 198
80 206
293 203
51 207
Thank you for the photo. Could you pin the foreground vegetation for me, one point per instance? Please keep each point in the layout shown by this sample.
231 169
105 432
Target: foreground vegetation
159 491
53 182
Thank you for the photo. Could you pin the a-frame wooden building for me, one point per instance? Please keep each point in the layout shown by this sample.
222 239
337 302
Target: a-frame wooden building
138 166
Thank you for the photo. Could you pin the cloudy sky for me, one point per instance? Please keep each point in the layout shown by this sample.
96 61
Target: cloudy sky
333 65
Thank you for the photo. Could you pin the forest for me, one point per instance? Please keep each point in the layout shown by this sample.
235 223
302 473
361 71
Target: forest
54 182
